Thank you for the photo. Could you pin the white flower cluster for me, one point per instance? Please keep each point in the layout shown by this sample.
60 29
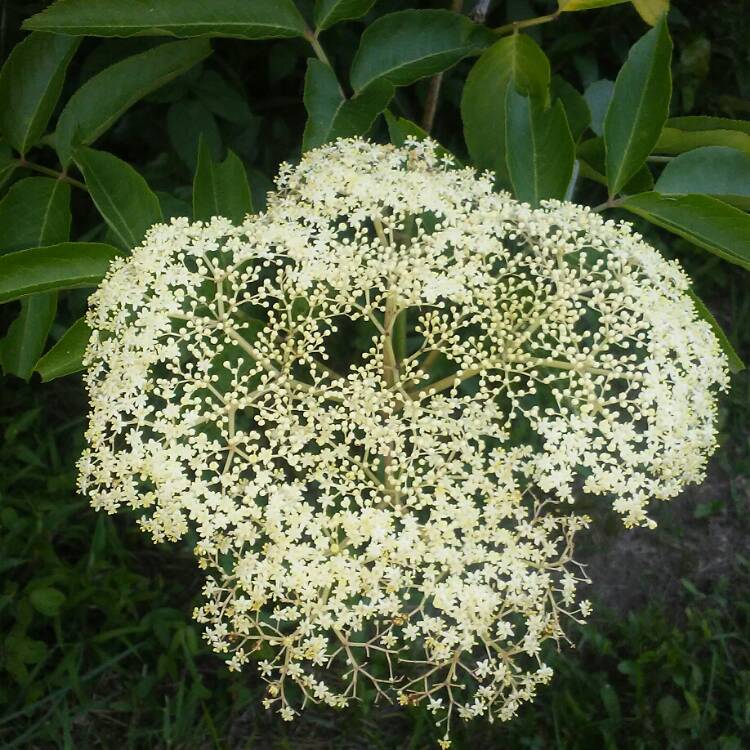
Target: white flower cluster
372 406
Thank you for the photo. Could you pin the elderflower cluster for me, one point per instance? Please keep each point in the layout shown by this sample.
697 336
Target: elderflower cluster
372 406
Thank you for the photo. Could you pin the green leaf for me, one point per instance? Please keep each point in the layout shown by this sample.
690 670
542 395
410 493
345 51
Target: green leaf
405 46
735 362
47 600
399 129
699 123
651 11
35 211
120 194
244 19
330 12
330 115
27 334
515 58
222 99
540 149
707 222
598 95
68 265
323 99
576 108
639 106
106 96
573 5
66 356
189 121
220 189
172 206
683 134
30 85
591 156
711 170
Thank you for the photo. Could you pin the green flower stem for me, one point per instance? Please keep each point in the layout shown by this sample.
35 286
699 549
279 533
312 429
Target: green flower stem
399 336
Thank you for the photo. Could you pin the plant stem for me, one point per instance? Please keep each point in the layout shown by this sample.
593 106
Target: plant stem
433 93
430 105
660 159
512 28
611 203
50 173
320 53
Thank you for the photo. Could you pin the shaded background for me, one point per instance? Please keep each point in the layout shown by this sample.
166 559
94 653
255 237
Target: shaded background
113 658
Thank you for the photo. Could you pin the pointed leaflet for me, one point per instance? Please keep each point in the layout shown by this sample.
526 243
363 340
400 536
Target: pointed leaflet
24 342
34 212
30 85
712 170
591 158
330 12
356 115
173 207
598 95
189 121
106 96
220 188
66 356
120 194
330 115
399 129
682 134
735 362
222 98
323 99
576 108
639 106
405 46
244 19
651 11
67 265
692 123
707 222
540 150
515 58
